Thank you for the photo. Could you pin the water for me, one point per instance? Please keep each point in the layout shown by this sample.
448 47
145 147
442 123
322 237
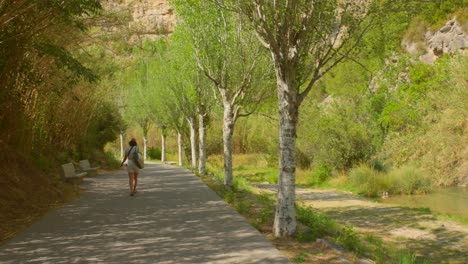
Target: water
449 201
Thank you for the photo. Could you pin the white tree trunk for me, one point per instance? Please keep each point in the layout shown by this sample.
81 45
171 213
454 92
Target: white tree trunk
193 142
285 217
163 148
202 144
145 148
122 146
228 129
179 145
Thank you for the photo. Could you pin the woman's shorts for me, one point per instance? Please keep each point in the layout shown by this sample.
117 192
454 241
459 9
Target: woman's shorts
132 167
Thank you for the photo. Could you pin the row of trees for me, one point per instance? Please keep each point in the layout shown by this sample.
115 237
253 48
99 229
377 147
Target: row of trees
222 53
229 54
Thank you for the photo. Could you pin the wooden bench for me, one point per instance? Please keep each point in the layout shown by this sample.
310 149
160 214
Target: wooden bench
69 172
86 167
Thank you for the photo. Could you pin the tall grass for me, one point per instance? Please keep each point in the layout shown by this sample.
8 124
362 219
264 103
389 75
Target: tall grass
405 180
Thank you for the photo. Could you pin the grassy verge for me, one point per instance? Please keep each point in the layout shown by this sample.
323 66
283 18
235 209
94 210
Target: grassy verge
258 207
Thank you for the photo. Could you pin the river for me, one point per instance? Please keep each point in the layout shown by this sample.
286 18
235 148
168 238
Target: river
450 201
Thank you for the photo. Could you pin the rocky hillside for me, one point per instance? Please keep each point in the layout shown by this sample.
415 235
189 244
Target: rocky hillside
449 39
148 18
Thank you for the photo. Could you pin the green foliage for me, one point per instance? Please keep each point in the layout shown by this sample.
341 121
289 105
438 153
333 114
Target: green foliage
241 184
154 153
110 161
438 12
301 258
349 239
107 124
319 175
423 119
65 60
302 160
319 225
338 136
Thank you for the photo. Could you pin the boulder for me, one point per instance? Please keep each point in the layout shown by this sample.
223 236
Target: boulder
449 39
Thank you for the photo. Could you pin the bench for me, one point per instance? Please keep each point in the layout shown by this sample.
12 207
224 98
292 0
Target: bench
86 167
69 172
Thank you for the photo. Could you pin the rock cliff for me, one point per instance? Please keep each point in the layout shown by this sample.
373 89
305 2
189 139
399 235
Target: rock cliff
147 18
449 39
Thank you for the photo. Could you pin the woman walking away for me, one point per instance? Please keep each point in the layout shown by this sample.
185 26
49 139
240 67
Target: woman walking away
132 167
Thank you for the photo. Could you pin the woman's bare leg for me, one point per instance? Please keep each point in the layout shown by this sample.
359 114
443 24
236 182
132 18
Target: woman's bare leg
130 181
135 181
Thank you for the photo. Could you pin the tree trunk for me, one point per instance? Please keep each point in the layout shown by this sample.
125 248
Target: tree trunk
122 146
285 217
163 147
228 129
145 147
193 142
179 145
202 144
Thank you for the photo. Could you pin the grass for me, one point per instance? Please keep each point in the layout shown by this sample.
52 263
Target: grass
372 183
301 258
259 209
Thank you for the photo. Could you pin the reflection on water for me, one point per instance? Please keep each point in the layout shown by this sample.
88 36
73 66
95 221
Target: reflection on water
451 201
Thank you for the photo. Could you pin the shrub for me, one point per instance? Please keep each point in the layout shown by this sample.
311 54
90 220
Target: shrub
319 175
341 138
109 160
154 153
302 160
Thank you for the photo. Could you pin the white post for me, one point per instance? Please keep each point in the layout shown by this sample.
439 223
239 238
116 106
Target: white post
163 148
193 142
145 148
179 144
202 145
121 146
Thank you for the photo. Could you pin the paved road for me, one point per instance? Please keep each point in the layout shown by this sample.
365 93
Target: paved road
174 218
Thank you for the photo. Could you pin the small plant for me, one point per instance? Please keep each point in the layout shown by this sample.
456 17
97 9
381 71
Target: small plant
319 225
229 196
241 184
301 258
349 239
242 206
319 175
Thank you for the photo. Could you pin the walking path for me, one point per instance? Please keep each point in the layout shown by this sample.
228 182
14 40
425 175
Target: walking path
174 218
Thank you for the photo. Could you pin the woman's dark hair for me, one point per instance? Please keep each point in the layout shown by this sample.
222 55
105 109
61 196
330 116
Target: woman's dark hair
132 142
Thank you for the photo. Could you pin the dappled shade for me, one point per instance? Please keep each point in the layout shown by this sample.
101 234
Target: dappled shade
174 218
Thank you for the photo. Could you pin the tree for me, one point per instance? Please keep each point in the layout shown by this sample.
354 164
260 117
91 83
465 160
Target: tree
41 74
191 89
230 57
306 39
